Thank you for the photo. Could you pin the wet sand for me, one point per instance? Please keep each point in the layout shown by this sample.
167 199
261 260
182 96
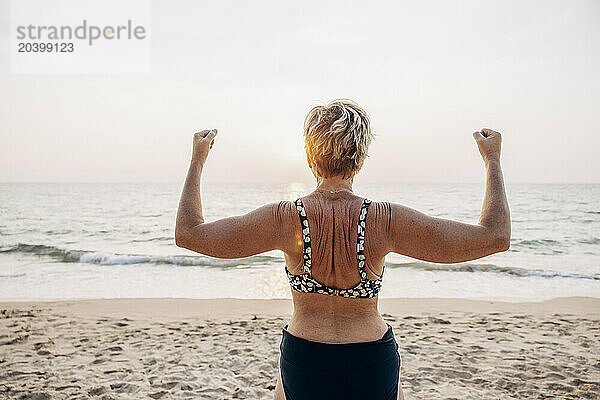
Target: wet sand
228 349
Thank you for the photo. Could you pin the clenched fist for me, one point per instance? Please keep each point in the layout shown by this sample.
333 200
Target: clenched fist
203 142
489 143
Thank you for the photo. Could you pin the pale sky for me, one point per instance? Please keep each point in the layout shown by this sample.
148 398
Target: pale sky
428 73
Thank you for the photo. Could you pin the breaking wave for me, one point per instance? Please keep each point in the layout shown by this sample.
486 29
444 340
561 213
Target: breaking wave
101 258
491 268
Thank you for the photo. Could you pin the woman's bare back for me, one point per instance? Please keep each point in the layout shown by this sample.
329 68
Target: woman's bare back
333 222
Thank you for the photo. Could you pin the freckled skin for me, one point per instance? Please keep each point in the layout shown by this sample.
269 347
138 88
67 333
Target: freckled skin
332 219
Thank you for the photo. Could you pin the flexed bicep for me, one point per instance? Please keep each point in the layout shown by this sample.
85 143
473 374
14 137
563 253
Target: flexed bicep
240 236
415 234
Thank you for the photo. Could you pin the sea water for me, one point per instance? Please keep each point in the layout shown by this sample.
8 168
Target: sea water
74 241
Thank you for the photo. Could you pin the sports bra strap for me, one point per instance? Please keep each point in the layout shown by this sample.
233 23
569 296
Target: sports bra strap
305 237
360 240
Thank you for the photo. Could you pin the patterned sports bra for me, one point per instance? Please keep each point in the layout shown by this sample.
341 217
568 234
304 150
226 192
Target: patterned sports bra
305 282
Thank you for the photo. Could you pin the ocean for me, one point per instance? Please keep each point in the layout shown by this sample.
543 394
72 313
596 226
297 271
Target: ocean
79 241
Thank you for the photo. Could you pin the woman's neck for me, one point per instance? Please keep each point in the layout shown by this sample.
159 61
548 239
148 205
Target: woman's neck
334 184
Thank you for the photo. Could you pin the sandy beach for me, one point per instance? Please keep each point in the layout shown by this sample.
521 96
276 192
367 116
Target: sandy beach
227 348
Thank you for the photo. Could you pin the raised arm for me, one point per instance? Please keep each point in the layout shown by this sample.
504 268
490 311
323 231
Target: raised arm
439 240
233 237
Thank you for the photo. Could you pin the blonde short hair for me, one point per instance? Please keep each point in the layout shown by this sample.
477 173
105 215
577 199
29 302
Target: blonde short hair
337 137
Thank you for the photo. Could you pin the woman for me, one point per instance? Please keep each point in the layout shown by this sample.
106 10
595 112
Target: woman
337 345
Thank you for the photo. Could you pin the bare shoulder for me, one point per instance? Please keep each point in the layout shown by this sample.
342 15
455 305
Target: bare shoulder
389 212
286 215
393 225
285 209
379 207
282 215
379 214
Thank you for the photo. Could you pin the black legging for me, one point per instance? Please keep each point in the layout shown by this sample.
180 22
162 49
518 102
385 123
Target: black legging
312 370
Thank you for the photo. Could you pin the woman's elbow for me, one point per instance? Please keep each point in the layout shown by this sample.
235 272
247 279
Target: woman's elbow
501 243
192 239
182 238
